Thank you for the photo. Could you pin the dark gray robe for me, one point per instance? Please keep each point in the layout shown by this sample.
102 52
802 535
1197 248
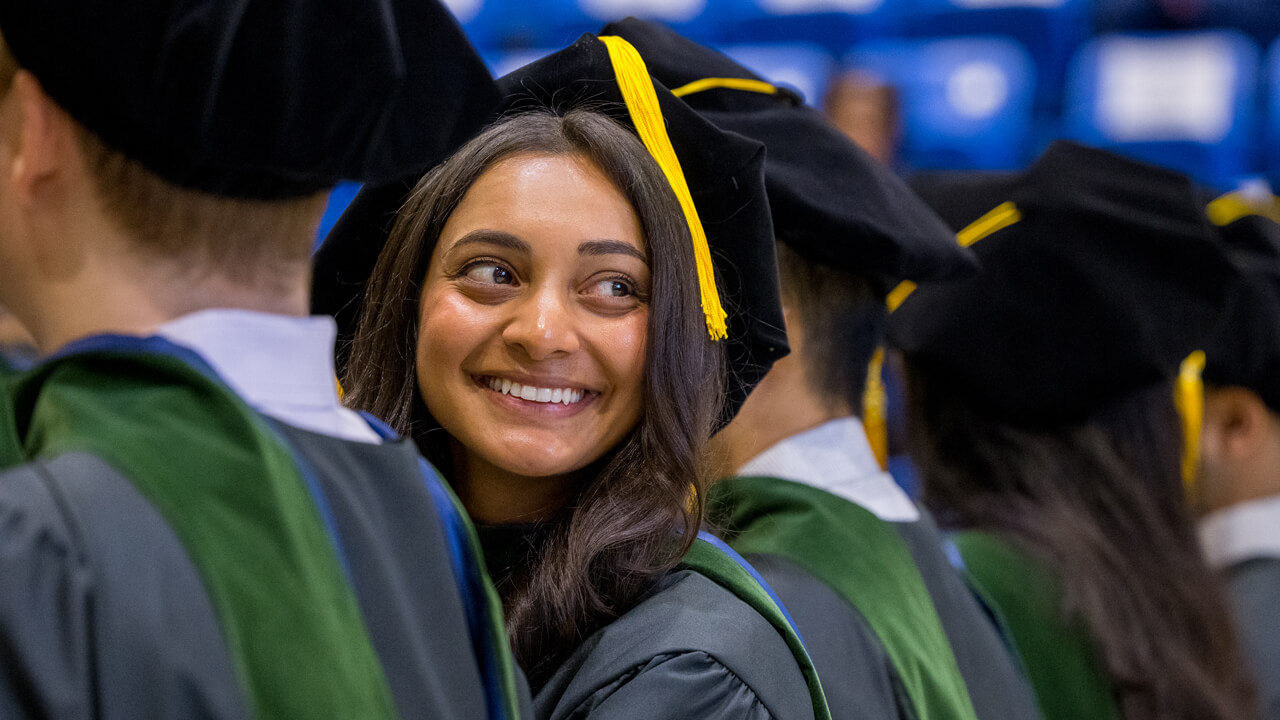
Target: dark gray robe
103 616
691 649
837 636
1255 595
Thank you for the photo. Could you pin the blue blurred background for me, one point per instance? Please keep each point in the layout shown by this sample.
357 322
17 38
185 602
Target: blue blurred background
984 84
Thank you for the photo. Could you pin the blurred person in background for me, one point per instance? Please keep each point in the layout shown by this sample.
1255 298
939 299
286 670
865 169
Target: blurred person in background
542 322
190 523
1238 492
1054 410
865 108
892 629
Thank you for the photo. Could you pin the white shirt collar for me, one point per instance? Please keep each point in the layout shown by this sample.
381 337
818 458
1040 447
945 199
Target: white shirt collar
837 458
280 365
1242 532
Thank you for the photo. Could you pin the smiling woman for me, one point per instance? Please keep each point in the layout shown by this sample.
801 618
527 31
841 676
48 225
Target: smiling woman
538 322
540 283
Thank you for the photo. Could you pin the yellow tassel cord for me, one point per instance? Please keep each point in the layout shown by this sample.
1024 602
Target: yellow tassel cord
646 115
744 84
342 394
1001 217
1226 209
875 406
1189 399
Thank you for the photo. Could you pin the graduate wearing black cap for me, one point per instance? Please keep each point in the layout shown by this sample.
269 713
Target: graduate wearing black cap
1054 410
571 423
1237 493
191 525
859 565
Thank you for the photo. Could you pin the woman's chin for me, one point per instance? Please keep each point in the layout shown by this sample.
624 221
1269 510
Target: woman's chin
536 460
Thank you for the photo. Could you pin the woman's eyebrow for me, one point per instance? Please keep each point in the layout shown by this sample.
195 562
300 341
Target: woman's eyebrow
493 237
611 247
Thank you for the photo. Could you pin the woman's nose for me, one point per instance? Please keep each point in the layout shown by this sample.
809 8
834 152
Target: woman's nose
544 325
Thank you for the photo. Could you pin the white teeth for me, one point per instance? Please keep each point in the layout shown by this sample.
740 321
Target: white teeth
568 396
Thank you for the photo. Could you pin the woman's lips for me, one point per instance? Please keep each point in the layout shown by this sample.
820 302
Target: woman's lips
560 401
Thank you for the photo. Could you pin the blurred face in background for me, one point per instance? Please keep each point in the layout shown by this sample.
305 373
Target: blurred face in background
866 110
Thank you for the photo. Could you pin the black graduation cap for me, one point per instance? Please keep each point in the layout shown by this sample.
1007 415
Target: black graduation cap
831 202
1100 276
959 196
724 173
1245 350
265 100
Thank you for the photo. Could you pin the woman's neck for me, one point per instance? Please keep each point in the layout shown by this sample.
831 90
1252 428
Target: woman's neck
496 496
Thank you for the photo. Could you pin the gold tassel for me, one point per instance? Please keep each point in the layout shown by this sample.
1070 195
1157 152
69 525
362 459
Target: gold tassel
642 103
875 405
1188 398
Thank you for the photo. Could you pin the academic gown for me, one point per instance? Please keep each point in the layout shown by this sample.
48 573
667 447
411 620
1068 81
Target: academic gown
697 646
1243 542
1255 594
1068 676
892 627
168 552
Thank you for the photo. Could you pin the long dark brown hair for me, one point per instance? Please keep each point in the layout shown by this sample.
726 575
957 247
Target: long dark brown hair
1100 502
635 516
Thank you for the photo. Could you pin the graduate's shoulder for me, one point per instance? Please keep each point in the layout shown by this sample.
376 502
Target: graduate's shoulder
99 602
690 649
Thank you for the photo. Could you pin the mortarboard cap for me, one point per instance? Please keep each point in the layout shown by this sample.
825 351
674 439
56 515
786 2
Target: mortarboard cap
264 100
1245 350
831 202
959 196
1100 276
724 173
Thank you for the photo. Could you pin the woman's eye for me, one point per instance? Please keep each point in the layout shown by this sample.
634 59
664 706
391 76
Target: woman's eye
612 288
490 273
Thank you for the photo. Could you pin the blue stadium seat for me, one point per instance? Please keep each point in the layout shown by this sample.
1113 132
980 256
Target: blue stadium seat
1051 30
1272 134
833 24
966 103
1183 100
339 198
806 68
1260 19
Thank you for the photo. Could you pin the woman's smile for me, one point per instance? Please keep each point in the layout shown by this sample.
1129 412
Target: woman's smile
556 398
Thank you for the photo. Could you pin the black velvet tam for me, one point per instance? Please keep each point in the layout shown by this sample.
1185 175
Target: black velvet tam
832 203
1246 349
725 175
265 100
1110 278
960 196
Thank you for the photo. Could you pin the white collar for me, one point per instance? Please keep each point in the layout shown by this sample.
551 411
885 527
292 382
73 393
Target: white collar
1242 532
282 366
837 458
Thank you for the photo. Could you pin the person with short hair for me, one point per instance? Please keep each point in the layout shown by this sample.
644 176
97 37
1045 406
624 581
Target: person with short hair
1237 493
190 523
